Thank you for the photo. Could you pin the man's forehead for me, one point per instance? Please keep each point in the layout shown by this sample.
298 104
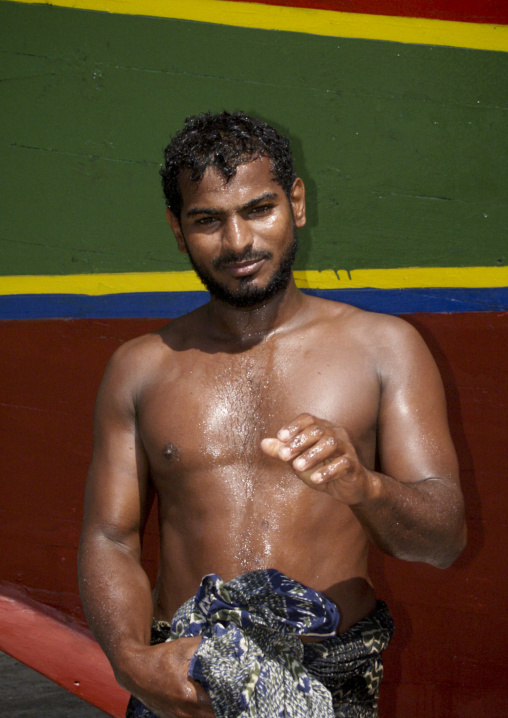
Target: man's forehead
251 179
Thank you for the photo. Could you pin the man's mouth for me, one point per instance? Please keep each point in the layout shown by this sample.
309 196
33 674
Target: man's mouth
243 269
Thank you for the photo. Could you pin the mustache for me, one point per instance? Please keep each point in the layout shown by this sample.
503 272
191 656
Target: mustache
232 258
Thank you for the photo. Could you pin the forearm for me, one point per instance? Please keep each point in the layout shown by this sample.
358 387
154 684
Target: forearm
116 595
118 604
420 521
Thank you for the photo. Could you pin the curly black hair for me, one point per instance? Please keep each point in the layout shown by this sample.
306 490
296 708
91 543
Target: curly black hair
223 141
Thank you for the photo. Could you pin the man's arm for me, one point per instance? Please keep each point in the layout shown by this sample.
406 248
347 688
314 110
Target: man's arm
415 509
115 590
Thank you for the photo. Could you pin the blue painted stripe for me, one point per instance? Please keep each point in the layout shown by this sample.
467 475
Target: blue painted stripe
409 301
83 306
174 304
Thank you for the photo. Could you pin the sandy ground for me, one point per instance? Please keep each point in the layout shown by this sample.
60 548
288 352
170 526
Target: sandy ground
24 692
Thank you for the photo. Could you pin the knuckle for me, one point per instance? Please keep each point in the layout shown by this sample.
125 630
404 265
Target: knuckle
297 442
330 441
310 453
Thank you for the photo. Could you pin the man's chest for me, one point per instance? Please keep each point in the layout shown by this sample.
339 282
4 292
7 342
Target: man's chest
215 412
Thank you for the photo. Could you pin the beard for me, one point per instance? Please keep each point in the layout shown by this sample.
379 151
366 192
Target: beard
247 295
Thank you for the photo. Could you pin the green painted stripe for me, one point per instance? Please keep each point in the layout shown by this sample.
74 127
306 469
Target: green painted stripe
402 147
310 21
409 278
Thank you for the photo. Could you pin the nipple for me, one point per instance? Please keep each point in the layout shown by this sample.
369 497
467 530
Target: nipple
170 451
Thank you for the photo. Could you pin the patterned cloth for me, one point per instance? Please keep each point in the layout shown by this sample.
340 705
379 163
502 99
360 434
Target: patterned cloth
252 662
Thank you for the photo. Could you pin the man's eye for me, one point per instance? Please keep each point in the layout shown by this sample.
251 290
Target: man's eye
206 220
261 209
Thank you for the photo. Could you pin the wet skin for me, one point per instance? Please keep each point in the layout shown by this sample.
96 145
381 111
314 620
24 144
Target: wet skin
257 428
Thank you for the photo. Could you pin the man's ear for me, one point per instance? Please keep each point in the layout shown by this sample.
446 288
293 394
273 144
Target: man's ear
174 223
298 202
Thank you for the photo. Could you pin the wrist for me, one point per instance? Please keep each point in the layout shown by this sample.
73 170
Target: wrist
374 487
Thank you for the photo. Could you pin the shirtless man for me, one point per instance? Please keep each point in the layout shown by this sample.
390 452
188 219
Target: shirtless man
256 420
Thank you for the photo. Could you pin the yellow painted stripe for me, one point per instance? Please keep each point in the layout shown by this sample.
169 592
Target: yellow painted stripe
419 31
96 284
405 278
410 278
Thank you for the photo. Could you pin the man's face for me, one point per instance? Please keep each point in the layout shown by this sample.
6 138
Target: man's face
240 235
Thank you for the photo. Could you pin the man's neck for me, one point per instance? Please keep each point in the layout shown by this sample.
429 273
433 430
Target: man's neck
251 325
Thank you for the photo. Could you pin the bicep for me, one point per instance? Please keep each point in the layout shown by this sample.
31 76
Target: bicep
118 493
413 432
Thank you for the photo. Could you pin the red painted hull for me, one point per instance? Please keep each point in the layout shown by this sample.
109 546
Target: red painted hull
449 656
487 11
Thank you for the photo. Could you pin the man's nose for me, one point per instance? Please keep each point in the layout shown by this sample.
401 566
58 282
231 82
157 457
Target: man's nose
237 235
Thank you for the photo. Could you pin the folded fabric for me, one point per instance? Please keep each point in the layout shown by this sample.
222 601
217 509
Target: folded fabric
252 662
250 658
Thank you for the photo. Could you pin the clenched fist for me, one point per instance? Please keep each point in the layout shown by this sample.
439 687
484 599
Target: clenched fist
323 457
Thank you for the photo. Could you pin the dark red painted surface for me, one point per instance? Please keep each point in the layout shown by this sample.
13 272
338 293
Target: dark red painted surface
487 11
449 658
450 654
69 656
50 371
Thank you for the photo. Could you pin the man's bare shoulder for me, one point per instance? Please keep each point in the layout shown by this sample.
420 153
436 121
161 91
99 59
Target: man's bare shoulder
140 357
374 328
390 342
137 353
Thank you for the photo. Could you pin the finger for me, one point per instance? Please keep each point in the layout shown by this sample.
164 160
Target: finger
307 438
288 432
201 695
325 448
305 441
271 447
342 468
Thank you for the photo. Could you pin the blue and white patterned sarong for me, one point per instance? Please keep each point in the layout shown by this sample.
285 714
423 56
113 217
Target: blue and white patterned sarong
252 662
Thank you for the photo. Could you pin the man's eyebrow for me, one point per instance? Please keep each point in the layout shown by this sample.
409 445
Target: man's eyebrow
257 200
248 205
202 210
